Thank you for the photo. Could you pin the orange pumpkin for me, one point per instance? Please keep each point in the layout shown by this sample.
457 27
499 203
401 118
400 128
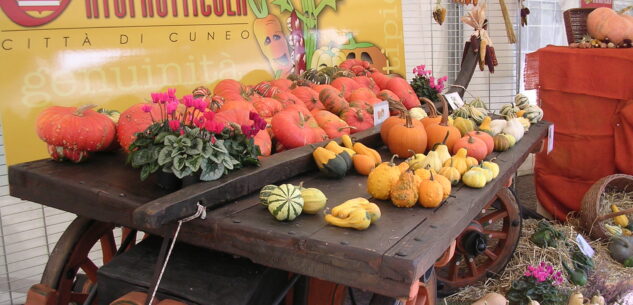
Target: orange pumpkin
308 96
231 89
406 139
433 117
606 23
237 104
437 132
486 137
474 146
81 129
134 120
333 101
431 193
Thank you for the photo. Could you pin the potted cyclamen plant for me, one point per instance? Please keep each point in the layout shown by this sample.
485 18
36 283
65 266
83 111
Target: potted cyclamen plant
187 143
426 85
539 283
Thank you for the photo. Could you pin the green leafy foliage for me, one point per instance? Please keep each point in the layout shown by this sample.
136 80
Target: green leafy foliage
526 289
422 88
194 151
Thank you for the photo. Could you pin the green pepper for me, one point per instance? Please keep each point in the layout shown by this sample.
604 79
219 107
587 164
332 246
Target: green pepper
576 276
628 262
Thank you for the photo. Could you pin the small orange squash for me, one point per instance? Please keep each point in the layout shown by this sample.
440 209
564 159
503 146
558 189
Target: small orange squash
363 164
474 146
437 132
446 185
404 193
431 193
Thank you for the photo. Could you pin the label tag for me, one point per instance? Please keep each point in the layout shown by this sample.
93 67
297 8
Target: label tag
381 112
584 246
550 139
454 100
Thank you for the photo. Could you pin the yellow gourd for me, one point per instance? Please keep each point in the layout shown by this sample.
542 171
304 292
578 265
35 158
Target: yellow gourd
621 220
382 178
347 141
446 185
431 193
458 161
424 173
470 162
342 210
451 173
485 124
433 161
404 193
357 219
464 125
442 152
474 178
493 167
576 299
415 161
313 200
403 166
487 173
360 148
338 149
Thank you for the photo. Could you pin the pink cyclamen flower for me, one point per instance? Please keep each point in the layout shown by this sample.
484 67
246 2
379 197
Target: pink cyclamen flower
174 125
209 115
187 100
155 97
171 92
199 122
201 104
171 107
146 108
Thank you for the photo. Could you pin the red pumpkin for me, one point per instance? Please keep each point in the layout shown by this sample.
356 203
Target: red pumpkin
366 82
237 104
358 66
380 79
486 137
240 117
309 97
75 128
404 91
287 98
365 106
358 118
346 85
232 90
333 101
333 125
267 107
295 129
266 89
362 94
475 147
386 95
60 153
134 120
437 133
319 88
282 83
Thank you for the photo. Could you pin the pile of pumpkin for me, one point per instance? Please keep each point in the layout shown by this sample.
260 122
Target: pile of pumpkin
607 28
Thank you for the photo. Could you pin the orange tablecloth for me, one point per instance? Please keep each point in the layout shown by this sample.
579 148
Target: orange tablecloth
588 95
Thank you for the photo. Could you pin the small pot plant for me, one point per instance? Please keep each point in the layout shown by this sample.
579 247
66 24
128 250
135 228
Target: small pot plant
539 283
188 141
426 85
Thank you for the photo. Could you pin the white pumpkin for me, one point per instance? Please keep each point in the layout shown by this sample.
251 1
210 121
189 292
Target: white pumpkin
497 126
514 128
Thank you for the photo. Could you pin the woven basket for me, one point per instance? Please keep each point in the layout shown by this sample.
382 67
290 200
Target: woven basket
590 218
576 23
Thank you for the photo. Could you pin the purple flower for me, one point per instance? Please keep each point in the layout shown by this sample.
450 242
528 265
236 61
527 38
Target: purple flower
147 108
174 125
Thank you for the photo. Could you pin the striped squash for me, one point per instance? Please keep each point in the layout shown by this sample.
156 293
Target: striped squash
533 113
265 192
285 202
521 101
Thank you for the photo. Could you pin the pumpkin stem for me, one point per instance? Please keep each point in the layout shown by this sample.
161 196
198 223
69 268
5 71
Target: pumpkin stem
396 105
446 137
431 175
302 119
80 111
408 121
432 109
391 163
359 115
444 121
470 139
300 184
346 127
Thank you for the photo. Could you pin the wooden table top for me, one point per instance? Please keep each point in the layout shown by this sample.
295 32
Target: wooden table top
387 258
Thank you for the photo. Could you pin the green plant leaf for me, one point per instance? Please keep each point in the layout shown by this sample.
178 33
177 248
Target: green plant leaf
160 138
212 171
219 146
186 142
164 156
170 140
179 163
207 150
183 173
145 171
194 163
141 157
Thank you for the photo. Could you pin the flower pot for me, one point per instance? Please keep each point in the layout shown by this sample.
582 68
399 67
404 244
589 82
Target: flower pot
168 181
191 179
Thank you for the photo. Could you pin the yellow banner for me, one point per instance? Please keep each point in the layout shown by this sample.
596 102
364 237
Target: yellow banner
114 53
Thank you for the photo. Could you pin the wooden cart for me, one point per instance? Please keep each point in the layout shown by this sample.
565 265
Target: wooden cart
388 259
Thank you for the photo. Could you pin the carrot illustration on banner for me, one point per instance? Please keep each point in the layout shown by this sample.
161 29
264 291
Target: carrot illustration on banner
308 14
271 39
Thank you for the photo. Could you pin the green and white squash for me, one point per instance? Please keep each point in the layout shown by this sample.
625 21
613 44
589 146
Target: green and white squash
478 114
265 192
521 101
285 202
533 113
509 109
462 112
478 103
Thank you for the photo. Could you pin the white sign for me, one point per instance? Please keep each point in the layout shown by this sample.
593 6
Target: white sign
454 100
381 112
584 246
550 139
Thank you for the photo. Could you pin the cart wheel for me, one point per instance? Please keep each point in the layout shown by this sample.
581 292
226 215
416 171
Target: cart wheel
485 247
71 254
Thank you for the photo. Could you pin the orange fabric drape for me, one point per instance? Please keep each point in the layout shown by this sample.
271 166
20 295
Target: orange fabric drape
588 95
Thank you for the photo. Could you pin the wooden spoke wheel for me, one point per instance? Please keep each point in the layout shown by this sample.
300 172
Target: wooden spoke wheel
485 247
71 254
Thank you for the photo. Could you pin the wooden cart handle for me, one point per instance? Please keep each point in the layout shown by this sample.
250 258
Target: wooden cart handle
609 216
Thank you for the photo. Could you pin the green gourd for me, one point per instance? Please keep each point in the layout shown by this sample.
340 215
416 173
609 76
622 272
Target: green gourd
285 202
264 193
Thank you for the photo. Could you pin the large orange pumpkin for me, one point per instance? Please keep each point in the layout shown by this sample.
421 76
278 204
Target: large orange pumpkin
134 120
606 23
406 139
295 128
237 104
333 125
308 96
437 132
267 107
231 89
81 129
